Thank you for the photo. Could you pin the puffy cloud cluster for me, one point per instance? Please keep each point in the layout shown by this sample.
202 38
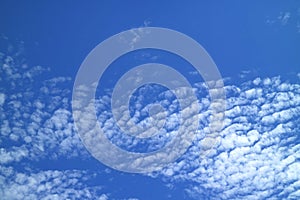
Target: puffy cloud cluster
49 184
165 121
35 116
36 125
258 154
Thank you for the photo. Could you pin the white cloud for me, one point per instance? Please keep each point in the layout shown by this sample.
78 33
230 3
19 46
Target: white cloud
50 184
260 120
256 81
284 17
2 99
103 197
14 154
35 121
257 153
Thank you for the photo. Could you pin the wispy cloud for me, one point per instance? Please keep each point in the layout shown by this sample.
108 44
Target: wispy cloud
290 18
284 17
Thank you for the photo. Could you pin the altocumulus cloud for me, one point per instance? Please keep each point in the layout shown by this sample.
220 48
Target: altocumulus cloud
48 184
256 155
35 116
36 125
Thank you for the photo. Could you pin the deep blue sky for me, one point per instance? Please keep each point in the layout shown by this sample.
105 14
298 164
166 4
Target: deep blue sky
236 34
260 39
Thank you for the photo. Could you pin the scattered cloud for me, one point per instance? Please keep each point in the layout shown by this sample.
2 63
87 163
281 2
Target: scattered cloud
37 118
36 125
256 153
258 150
284 17
50 184
2 99
259 147
103 197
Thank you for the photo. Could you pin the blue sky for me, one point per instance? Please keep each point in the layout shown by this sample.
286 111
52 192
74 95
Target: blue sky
255 46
